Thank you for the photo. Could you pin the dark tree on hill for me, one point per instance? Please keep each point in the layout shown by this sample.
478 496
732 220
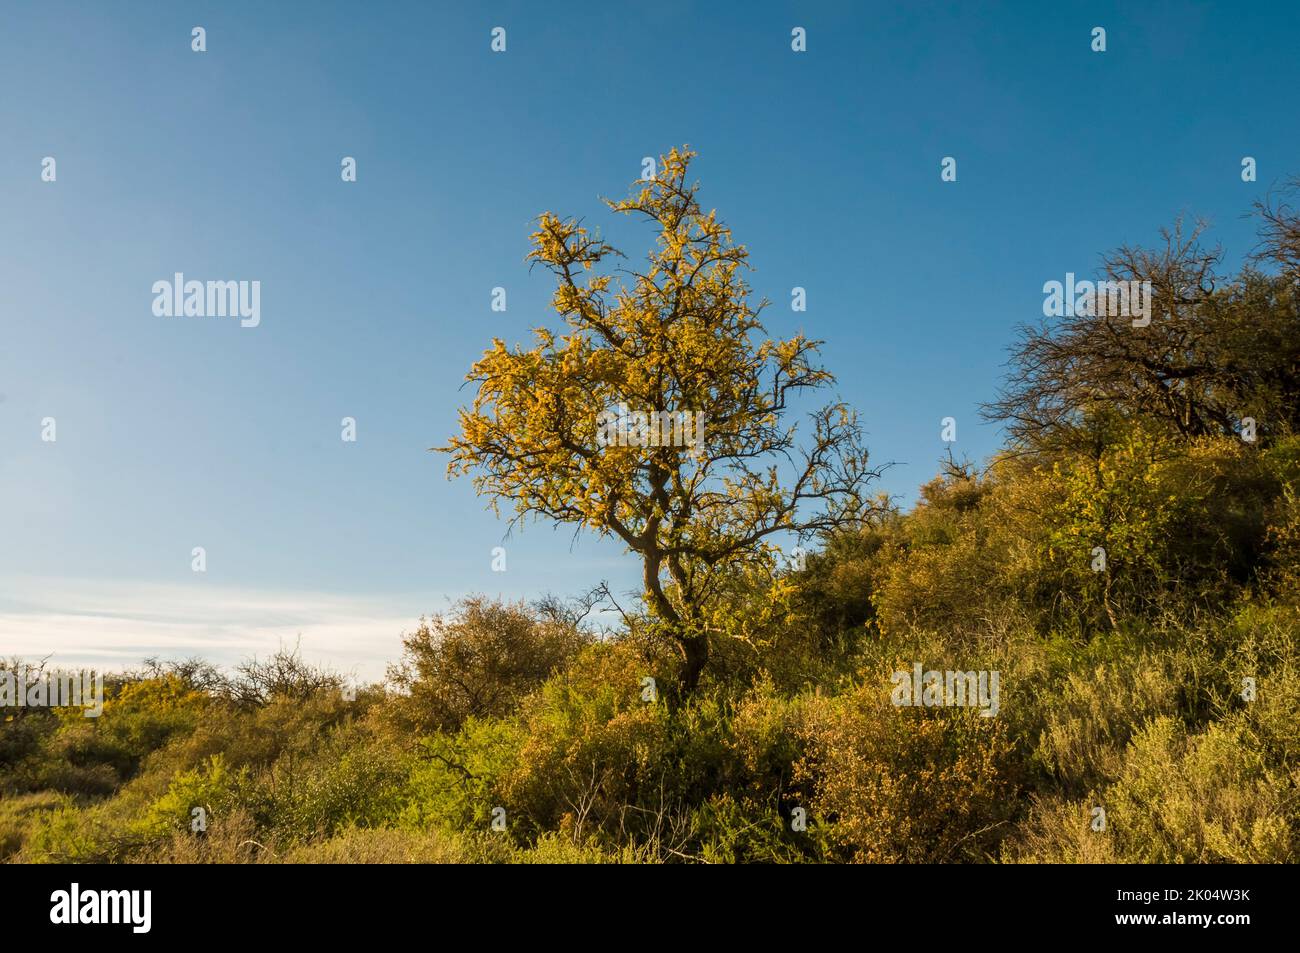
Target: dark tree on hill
1218 349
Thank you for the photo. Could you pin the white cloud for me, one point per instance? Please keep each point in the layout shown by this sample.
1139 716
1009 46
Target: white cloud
113 625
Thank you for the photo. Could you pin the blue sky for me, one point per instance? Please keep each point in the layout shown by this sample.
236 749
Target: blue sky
176 433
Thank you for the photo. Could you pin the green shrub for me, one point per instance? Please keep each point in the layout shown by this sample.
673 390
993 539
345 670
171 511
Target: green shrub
905 784
478 661
1203 798
1089 723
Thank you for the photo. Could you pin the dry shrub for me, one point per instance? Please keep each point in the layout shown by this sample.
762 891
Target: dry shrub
902 784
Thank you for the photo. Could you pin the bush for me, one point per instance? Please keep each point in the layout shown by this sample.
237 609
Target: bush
478 661
905 784
1089 723
1207 798
595 754
18 818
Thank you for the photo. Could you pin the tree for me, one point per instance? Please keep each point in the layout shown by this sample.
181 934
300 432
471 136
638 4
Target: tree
546 431
285 674
1216 350
1279 230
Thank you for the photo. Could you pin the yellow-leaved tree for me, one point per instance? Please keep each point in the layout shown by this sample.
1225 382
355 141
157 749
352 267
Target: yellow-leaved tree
656 416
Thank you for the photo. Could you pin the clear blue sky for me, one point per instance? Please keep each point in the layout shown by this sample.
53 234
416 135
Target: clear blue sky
176 433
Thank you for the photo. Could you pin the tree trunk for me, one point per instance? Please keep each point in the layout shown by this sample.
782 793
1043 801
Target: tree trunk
695 655
1105 599
694 648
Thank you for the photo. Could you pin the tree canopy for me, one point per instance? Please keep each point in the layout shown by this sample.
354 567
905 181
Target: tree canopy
678 335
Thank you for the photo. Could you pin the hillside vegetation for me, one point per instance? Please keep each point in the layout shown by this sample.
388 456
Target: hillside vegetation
1129 566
